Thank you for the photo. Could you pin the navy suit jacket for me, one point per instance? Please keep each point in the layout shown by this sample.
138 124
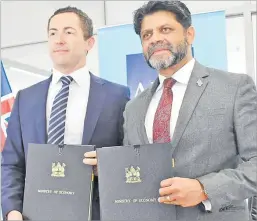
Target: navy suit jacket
102 127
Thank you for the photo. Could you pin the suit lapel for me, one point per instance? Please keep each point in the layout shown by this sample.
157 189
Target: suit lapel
196 86
40 111
144 104
94 107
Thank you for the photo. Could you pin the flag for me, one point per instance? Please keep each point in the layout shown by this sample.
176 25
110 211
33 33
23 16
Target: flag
7 100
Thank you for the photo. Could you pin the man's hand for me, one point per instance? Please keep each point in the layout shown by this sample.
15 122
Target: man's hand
90 159
181 191
14 215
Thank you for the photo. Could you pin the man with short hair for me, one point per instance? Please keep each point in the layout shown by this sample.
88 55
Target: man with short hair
209 116
71 107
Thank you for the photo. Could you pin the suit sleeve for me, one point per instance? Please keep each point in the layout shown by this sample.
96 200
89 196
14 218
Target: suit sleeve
13 164
237 184
126 98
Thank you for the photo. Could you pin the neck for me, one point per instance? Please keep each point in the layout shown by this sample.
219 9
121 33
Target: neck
173 69
68 69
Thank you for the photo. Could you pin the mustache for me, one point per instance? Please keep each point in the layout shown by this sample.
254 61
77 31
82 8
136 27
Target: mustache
159 46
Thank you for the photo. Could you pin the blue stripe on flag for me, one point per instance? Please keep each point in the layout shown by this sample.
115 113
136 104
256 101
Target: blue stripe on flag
5 86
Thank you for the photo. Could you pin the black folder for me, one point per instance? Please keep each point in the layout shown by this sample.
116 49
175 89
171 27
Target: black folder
58 186
129 181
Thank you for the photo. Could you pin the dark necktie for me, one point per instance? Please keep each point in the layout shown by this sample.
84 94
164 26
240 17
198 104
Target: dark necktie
56 127
161 124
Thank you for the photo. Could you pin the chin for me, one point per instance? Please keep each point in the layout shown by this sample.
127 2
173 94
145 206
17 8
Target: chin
159 60
162 56
60 61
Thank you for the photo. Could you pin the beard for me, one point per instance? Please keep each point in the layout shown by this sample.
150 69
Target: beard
159 62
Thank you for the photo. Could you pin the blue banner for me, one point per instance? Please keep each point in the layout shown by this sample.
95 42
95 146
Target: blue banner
121 59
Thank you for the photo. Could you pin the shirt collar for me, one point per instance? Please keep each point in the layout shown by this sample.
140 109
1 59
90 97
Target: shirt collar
80 76
182 75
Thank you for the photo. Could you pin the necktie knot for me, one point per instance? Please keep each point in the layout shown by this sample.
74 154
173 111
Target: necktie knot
66 80
169 82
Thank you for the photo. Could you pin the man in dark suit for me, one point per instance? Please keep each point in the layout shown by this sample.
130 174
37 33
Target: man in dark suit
72 106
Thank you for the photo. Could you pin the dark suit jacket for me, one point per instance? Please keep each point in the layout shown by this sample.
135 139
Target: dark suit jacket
27 124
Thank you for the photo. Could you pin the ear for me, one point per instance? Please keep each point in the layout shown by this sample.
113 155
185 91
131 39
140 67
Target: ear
190 35
89 44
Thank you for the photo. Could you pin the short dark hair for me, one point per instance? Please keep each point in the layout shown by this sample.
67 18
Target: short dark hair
182 13
86 22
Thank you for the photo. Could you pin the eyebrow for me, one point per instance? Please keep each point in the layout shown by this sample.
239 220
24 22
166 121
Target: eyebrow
151 29
146 30
65 28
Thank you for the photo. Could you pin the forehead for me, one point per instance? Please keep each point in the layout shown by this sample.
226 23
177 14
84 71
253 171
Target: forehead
68 19
158 19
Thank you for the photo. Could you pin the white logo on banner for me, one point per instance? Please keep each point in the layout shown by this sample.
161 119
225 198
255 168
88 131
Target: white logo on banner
140 88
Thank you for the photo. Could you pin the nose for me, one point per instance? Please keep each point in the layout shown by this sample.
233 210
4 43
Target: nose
59 39
156 38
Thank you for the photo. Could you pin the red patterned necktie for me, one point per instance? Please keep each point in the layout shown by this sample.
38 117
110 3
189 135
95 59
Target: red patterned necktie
161 124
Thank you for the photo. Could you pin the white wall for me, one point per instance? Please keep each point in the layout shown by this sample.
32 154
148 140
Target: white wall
254 37
206 6
121 12
236 44
117 16
26 21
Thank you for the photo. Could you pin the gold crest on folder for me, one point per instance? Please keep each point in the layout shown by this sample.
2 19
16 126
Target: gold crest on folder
58 169
133 175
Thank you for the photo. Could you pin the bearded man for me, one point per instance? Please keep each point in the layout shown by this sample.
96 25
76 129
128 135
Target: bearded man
208 116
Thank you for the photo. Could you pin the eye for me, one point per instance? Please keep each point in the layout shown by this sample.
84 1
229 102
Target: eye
146 35
69 32
51 33
166 30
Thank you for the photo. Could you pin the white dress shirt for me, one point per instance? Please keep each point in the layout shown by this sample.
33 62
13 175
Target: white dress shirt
76 106
182 77
179 88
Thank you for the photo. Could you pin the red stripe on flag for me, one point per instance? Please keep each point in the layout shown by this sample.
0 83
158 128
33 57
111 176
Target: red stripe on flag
6 106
